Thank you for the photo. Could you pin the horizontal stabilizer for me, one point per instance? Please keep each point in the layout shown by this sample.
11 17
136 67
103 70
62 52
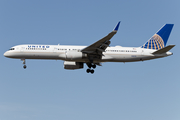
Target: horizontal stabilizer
164 50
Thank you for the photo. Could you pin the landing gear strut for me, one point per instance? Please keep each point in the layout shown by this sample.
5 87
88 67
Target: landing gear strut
89 70
24 64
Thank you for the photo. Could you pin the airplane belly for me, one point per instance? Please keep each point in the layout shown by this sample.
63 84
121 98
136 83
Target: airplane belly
117 57
125 58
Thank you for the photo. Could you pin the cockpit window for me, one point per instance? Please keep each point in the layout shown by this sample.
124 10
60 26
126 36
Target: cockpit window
12 49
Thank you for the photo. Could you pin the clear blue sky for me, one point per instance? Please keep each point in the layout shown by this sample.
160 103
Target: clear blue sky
148 90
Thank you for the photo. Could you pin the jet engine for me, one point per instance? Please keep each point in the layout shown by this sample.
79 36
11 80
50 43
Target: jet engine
73 65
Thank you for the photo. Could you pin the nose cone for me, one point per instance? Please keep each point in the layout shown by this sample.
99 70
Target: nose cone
6 54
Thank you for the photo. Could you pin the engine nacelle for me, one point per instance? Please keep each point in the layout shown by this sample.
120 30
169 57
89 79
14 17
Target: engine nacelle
74 55
73 65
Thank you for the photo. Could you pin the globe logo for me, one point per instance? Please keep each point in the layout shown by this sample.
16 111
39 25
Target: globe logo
156 42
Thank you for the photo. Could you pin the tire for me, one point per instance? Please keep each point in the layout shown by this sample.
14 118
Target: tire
88 70
24 66
92 71
94 66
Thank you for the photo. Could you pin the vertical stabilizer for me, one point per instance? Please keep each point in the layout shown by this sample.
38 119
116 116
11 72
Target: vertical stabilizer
159 39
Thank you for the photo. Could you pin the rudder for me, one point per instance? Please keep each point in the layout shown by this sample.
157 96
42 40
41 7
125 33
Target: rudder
159 39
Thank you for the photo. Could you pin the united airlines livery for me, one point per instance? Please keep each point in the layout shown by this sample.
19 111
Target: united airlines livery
74 57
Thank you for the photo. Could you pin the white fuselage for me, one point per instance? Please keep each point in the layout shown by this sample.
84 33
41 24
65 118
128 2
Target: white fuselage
73 53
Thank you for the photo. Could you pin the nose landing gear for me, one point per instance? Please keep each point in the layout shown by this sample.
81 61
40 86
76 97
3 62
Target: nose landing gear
24 63
24 66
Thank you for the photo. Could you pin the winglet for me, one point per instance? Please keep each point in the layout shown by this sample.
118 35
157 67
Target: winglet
117 26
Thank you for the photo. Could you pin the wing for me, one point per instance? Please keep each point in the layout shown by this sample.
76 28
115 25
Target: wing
98 47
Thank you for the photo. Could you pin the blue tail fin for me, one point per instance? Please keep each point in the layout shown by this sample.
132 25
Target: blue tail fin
159 40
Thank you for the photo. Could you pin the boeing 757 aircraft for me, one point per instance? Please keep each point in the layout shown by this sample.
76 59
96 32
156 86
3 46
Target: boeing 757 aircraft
74 57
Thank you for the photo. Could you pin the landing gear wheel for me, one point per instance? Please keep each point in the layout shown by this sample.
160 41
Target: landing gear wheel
89 66
24 66
88 70
94 66
92 71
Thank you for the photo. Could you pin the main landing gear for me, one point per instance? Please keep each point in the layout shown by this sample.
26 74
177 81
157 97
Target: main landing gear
24 63
89 70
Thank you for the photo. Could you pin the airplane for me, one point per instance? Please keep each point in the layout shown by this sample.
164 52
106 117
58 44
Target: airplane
99 52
